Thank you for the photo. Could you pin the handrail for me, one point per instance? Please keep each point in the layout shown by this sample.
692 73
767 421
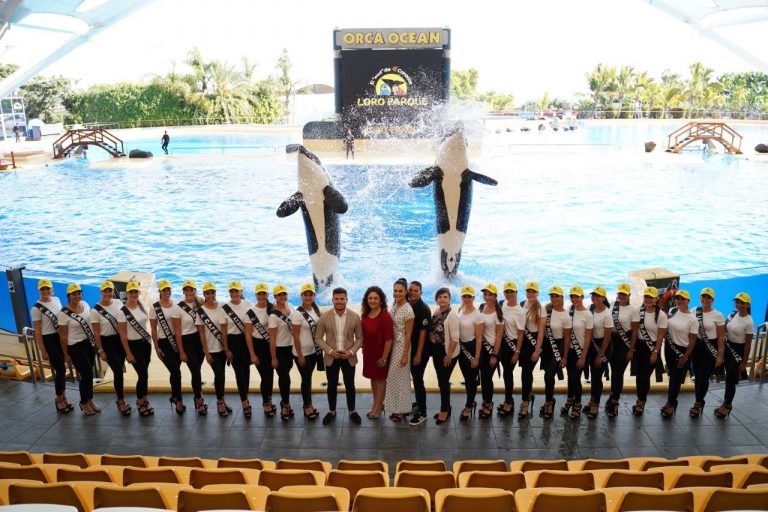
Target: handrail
86 136
759 346
28 336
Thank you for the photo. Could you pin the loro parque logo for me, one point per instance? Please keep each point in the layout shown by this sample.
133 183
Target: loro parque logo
391 86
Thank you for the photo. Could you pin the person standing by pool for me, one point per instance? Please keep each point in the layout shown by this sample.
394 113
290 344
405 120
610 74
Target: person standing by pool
553 357
349 143
514 330
281 347
137 343
237 329
397 397
575 350
709 351
739 328
493 327
470 346
259 315
682 328
165 140
106 332
166 314
305 320
44 315
377 345
529 347
214 343
649 325
598 351
420 351
191 344
621 342
444 338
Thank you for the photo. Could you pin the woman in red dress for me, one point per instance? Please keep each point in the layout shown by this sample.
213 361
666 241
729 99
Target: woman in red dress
377 343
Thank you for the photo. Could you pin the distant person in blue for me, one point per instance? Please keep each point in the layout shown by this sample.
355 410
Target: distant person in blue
165 140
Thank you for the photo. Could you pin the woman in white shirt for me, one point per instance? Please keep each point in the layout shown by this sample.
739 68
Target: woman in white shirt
208 322
137 343
621 341
682 328
165 325
739 327
553 360
529 346
237 329
649 324
514 331
305 319
106 331
443 337
77 344
493 327
470 333
259 315
575 350
44 318
190 341
709 351
281 346
598 350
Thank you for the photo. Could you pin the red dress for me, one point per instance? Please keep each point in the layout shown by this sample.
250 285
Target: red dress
376 331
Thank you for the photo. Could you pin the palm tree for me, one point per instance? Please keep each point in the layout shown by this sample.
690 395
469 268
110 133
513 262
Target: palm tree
697 85
602 83
626 81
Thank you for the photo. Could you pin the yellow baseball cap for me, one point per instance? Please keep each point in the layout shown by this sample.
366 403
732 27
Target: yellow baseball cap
163 284
624 288
106 285
532 285
651 292
307 287
490 287
74 287
467 290
262 288
207 287
556 290
743 297
708 291
189 284
280 288
44 283
684 294
509 286
576 290
133 286
599 290
235 285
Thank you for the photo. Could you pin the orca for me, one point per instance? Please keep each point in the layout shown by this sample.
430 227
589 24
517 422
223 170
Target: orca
453 197
320 204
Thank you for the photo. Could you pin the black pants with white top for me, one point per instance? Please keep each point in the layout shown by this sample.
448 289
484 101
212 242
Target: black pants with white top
732 372
52 345
142 353
82 356
703 366
115 353
470 374
676 374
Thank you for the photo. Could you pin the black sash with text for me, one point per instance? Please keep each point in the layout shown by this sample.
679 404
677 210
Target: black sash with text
671 344
48 314
620 328
465 352
644 332
703 333
108 317
258 325
83 324
553 344
313 330
188 310
208 323
136 325
279 314
165 326
235 319
575 342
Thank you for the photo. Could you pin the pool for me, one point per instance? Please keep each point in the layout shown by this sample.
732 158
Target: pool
583 207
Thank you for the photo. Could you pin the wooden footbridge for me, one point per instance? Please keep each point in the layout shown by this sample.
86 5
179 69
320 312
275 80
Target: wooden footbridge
705 131
86 137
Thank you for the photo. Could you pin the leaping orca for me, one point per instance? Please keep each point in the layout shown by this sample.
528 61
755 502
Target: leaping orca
453 197
320 205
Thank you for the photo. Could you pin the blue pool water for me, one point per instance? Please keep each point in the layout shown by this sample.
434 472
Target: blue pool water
584 207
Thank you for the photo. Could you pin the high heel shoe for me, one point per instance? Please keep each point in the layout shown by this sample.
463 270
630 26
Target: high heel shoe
503 411
548 409
468 412
201 407
62 406
565 409
87 411
285 411
269 409
525 407
123 407
639 408
486 411
592 409
247 409
175 404
222 408
95 408
695 411
438 421
144 408
576 411
612 408
668 410
723 411
313 413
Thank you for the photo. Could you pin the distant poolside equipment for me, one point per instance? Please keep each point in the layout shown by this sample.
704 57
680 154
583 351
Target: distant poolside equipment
705 131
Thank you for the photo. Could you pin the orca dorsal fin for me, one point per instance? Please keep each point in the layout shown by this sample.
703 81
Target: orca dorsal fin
480 178
334 200
426 176
290 205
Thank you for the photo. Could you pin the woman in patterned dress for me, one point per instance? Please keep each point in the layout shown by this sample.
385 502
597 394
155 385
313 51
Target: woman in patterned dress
397 398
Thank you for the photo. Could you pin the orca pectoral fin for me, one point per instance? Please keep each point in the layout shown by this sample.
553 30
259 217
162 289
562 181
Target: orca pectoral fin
480 178
290 205
334 200
425 177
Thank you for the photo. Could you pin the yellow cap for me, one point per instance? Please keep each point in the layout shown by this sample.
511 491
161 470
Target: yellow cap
163 284
532 285
74 287
708 291
107 285
307 287
490 287
684 294
743 297
207 287
556 290
44 283
262 287
235 285
189 284
576 290
467 290
599 290
133 286
509 285
280 288
624 288
651 292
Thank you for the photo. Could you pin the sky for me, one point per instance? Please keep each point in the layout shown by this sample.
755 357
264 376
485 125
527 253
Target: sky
519 48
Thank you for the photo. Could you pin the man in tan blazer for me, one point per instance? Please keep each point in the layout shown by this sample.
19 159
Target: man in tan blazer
340 334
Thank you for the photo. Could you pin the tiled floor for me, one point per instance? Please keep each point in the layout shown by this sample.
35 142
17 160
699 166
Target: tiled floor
28 421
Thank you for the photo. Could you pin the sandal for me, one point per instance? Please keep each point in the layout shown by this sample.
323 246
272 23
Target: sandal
723 411
503 411
696 410
94 407
668 410
62 406
313 413
200 406
566 406
396 417
486 411
247 409
123 407
269 409
222 408
86 408
593 409
576 411
548 409
468 412
639 408
176 404
612 408
144 408
285 412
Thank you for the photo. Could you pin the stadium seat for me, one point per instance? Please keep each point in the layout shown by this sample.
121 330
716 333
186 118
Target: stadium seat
193 500
74 494
73 459
736 499
703 479
11 471
593 464
760 459
5 484
583 480
607 478
707 462
85 475
257 494
149 475
535 465
187 462
389 499
311 465
663 463
462 466
199 478
309 498
274 479
245 463
560 499
430 481
628 499
420 465
474 498
671 473
21 458
505 480
363 465
136 461
139 495
354 480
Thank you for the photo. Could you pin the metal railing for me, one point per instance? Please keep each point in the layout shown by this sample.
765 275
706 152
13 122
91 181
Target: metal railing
33 354
759 346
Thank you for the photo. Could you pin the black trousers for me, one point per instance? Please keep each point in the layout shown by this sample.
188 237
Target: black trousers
171 361
703 367
82 356
676 374
115 353
306 377
575 389
285 360
443 374
52 344
597 371
142 353
732 373
470 374
486 375
526 368
417 373
332 374
219 365
195 355
618 361
241 363
643 369
505 359
550 365
266 372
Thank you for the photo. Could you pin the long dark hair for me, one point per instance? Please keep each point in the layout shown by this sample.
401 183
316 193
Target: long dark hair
365 308
314 307
499 313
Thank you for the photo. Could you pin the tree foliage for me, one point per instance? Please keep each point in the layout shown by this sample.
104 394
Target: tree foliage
44 96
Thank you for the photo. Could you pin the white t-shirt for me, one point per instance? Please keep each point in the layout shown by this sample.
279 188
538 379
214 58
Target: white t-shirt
712 321
241 311
284 336
626 316
75 333
738 327
263 317
680 326
581 321
169 313
531 326
341 326
491 320
651 325
514 320
187 320
451 330
211 342
601 322
560 320
305 337
140 317
46 326
105 328
468 323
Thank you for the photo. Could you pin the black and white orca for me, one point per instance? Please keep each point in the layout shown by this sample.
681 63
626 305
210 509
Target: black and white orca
320 205
453 197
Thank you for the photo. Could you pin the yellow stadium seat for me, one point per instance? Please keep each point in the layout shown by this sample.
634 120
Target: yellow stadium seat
21 458
186 462
671 473
593 464
133 475
390 499
84 475
136 461
760 459
462 466
707 462
607 478
245 463
504 480
753 486
199 478
736 499
309 498
354 480
363 465
664 463
11 471
536 465
703 479
420 465
193 500
257 494
79 495
631 499
139 495
73 459
311 465
474 498
549 499
277 478
4 484
430 481
583 480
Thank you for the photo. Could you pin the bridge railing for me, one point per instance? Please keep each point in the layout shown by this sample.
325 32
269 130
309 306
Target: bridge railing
85 136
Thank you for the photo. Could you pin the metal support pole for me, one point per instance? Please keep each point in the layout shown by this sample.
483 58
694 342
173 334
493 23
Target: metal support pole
18 299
